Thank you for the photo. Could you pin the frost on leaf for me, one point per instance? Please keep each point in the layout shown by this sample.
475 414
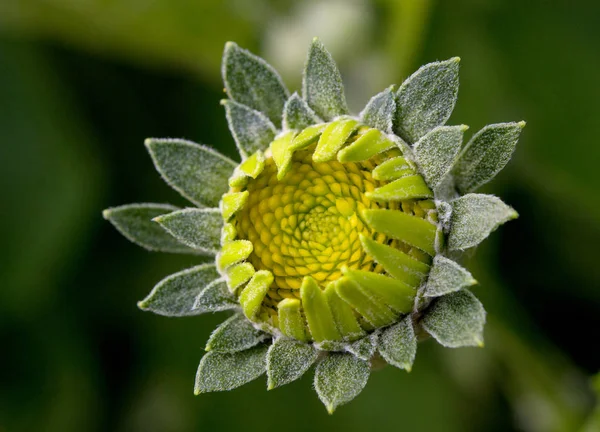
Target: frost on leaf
437 151
175 295
197 172
426 99
456 320
297 114
226 371
339 378
234 334
322 85
215 297
134 221
474 217
380 110
251 81
364 348
486 154
197 228
447 276
398 344
288 360
251 129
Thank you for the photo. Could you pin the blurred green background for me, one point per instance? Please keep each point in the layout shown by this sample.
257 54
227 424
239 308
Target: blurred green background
83 82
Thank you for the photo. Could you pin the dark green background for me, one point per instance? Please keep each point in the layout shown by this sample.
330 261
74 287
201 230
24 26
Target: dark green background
82 83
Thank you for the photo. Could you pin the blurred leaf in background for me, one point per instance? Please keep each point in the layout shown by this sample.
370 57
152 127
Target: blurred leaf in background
82 83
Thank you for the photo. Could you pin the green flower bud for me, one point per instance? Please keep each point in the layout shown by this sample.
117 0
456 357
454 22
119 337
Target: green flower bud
336 238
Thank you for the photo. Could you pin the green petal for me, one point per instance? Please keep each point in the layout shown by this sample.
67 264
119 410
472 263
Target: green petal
283 153
339 378
371 308
322 85
426 99
239 274
291 321
251 81
365 147
226 371
175 295
486 154
254 293
398 344
393 169
233 202
343 315
407 187
135 222
288 360
197 172
474 217
234 334
446 276
380 110
233 252
298 115
318 315
394 293
251 129
333 138
456 320
436 152
410 229
197 228
215 298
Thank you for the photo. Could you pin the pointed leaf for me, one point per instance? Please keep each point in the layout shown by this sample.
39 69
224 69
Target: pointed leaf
226 371
426 99
288 360
251 129
322 85
234 334
437 151
197 228
456 320
398 344
175 295
214 298
298 115
379 112
364 348
446 276
474 217
486 154
339 378
251 81
134 221
197 172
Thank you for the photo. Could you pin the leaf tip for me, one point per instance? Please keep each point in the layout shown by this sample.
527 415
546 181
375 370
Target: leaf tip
330 409
106 214
454 60
522 124
142 304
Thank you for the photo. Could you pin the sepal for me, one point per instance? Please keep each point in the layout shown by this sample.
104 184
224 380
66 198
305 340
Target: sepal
398 344
456 320
251 129
226 371
322 85
197 172
176 294
426 99
364 348
134 222
380 110
253 82
235 334
297 114
199 229
288 360
446 276
215 298
474 217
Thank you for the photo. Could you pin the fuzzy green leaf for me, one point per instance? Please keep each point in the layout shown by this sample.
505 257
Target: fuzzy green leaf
426 99
297 114
339 378
251 129
134 221
437 151
365 347
380 110
474 217
456 320
288 360
197 172
234 334
226 371
486 154
251 81
398 344
197 228
322 85
175 295
446 276
215 297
